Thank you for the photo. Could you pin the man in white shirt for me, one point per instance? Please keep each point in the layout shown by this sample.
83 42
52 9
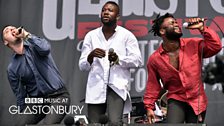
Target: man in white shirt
108 53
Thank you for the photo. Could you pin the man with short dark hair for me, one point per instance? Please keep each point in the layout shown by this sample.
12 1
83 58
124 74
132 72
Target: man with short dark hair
177 65
109 52
32 73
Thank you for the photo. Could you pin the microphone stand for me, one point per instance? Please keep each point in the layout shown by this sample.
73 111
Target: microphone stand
108 79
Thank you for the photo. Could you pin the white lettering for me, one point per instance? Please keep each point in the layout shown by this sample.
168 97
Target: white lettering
142 45
151 8
86 7
80 109
46 109
152 46
131 79
79 46
13 109
192 8
132 7
217 6
140 80
50 19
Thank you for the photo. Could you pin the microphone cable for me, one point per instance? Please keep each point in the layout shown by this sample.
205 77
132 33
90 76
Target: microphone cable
110 65
108 79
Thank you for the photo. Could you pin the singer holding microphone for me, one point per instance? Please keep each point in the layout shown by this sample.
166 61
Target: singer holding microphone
108 53
177 65
32 73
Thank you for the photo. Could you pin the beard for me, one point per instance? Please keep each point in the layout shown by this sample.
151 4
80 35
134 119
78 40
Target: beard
172 35
109 23
18 40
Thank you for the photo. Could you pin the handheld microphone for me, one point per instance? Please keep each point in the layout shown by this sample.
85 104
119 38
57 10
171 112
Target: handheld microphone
111 50
20 29
187 24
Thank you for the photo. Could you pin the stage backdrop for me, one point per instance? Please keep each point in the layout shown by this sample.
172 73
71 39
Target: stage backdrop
64 24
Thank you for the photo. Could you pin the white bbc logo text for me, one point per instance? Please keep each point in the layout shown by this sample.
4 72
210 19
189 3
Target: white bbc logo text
34 100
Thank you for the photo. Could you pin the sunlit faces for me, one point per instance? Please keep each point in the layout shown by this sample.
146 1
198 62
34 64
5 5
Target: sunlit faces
171 28
9 35
109 14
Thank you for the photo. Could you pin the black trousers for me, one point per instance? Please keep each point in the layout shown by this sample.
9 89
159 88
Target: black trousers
181 112
44 116
114 106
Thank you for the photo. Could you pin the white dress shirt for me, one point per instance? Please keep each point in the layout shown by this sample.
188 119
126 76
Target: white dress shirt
126 46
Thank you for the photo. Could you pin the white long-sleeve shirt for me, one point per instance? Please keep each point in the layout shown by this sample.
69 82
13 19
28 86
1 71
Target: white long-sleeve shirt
126 46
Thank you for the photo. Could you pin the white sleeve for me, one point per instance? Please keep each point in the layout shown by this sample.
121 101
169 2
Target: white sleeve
133 57
86 49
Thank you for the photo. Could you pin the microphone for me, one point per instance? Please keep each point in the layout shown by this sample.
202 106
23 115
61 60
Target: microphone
187 24
111 50
20 29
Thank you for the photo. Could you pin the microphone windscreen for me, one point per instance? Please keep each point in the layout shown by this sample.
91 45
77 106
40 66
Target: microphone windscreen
111 50
103 119
20 29
185 24
69 120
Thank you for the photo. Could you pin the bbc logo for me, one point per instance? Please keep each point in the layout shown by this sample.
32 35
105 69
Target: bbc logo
34 100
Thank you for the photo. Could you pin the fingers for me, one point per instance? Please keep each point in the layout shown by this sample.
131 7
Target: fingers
112 56
151 119
151 116
195 20
200 118
100 53
20 32
196 23
17 33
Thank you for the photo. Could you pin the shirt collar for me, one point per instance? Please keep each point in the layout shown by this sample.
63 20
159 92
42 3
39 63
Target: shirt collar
116 29
25 43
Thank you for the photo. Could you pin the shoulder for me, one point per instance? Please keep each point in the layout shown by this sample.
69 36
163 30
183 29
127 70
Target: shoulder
190 41
153 57
10 68
125 32
13 62
94 31
122 29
